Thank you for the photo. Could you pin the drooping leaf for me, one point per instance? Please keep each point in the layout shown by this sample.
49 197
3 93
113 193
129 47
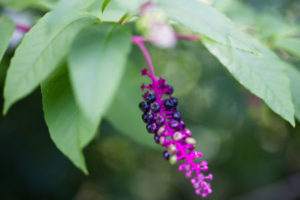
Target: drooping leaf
23 4
6 31
104 4
66 7
41 50
206 20
117 10
69 129
96 64
294 75
291 45
124 113
264 76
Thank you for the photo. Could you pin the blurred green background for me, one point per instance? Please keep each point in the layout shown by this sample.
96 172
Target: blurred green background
252 152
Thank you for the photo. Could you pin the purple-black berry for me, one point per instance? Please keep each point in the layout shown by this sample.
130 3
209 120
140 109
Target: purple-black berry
182 124
144 106
156 139
177 115
150 97
147 117
174 124
169 104
152 128
155 107
166 155
175 101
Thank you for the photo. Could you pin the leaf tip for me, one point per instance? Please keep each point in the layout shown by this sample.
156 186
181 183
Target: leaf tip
86 172
5 109
292 122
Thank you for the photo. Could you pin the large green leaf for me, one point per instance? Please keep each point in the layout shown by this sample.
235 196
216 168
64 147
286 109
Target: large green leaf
291 45
66 6
6 31
205 20
41 50
294 75
70 130
124 113
96 65
264 76
23 4
104 4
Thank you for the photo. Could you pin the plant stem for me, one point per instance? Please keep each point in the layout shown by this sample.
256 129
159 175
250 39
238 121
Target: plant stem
139 41
23 28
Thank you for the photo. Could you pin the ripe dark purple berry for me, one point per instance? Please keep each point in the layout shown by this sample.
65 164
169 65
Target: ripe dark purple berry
147 117
174 124
166 155
156 139
160 120
152 128
175 101
155 107
169 104
144 106
177 115
150 98
182 124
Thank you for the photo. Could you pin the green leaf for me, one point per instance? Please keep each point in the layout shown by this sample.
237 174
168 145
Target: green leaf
264 76
206 20
124 113
40 52
68 127
104 4
112 13
23 4
291 45
66 6
96 65
6 30
294 75
116 10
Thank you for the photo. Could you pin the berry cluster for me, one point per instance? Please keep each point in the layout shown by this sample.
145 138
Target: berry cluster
163 119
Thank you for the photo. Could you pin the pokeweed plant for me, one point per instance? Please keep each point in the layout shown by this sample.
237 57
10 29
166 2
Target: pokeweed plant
77 53
163 119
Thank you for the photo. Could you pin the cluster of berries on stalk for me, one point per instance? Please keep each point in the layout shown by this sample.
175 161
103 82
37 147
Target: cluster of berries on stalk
163 119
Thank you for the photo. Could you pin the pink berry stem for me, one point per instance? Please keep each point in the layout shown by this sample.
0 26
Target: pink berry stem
139 40
23 28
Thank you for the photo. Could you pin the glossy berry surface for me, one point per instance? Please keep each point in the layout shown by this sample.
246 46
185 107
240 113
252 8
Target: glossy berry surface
152 128
147 117
174 124
145 107
156 139
166 155
150 97
169 104
175 101
177 115
155 107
